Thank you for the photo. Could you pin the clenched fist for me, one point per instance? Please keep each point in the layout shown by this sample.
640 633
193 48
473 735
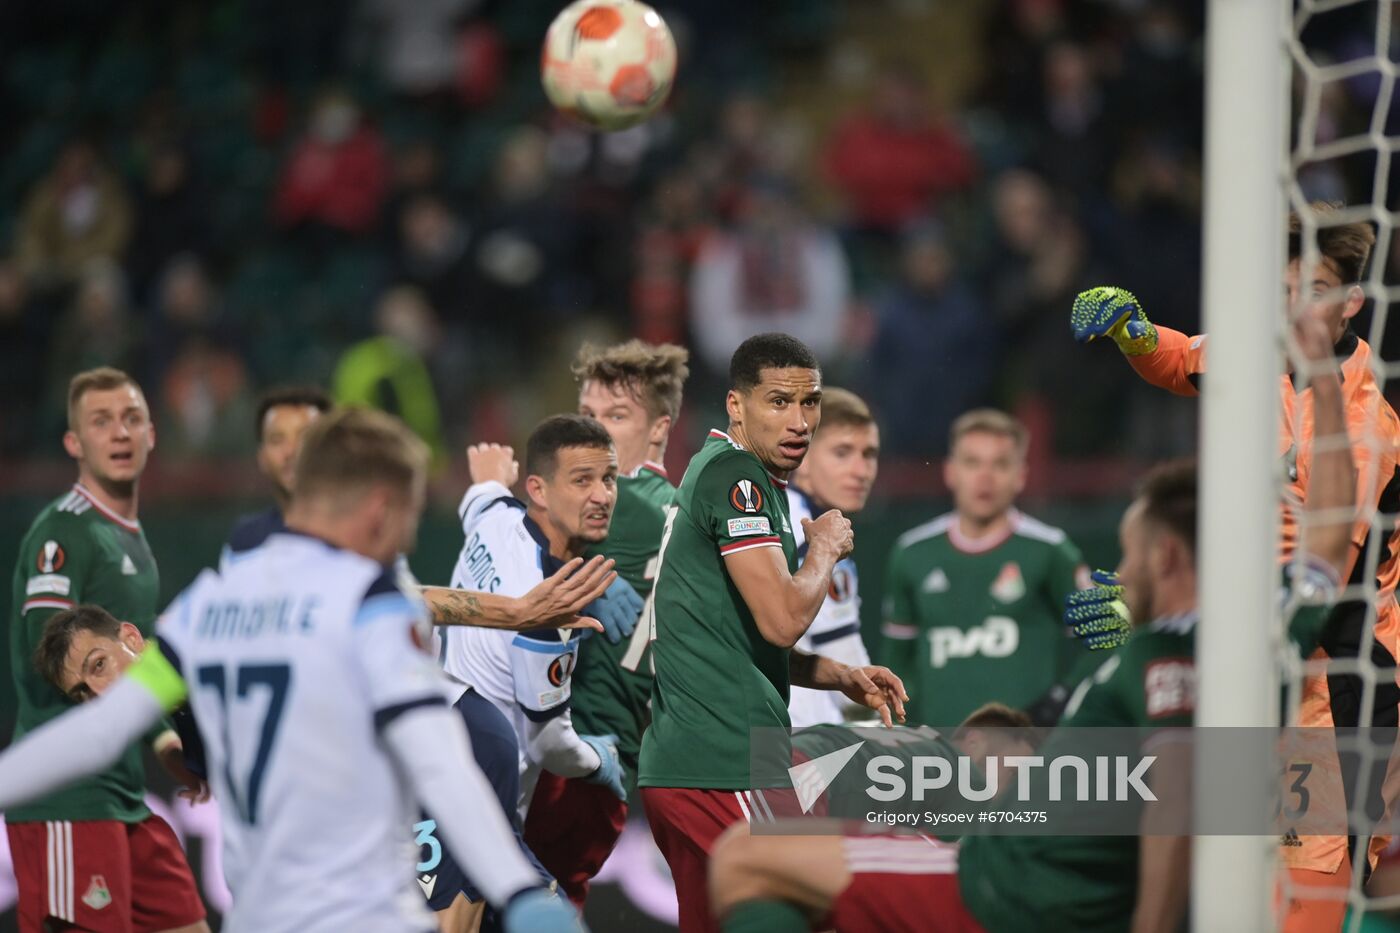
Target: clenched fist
493 462
831 530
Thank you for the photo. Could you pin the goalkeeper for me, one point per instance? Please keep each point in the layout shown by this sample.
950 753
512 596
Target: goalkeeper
1173 361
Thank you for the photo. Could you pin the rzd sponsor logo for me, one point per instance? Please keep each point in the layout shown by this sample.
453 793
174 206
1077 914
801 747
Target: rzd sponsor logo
996 637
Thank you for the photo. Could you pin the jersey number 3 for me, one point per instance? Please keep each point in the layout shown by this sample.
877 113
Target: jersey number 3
276 678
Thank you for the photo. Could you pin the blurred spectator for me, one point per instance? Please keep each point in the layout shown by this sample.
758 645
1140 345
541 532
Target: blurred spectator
667 245
205 400
414 45
337 174
416 170
390 371
776 270
432 254
1073 144
172 216
21 367
1017 34
892 161
738 152
79 212
935 351
1156 242
96 330
1159 86
1030 269
523 244
186 309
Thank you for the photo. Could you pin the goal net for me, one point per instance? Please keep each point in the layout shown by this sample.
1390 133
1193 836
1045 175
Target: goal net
1299 111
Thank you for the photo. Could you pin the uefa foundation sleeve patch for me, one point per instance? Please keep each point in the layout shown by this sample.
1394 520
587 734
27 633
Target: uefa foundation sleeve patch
743 527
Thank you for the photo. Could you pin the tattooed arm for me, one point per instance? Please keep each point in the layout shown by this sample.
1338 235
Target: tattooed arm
553 603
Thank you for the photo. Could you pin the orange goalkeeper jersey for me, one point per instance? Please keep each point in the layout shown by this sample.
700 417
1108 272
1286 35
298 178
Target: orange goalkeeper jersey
1374 431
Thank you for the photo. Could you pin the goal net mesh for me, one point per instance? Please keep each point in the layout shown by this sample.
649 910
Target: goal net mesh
1344 131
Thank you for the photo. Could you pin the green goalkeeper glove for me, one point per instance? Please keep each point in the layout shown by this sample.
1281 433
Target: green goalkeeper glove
1108 311
1097 615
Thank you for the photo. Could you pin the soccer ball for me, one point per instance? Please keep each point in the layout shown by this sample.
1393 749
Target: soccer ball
608 63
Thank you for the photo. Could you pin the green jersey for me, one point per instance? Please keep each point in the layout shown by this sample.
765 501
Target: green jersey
1089 883
612 683
848 800
716 676
79 551
969 622
651 483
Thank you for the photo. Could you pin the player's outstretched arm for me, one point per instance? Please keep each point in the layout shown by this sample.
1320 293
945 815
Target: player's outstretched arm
92 736
1164 357
554 602
784 604
869 685
1331 493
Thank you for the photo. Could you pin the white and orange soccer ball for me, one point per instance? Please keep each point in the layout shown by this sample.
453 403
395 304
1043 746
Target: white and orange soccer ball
608 63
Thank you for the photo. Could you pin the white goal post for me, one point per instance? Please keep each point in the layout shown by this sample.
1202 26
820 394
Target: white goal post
1246 166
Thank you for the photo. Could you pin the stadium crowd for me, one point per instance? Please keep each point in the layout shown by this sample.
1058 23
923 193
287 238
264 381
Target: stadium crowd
375 196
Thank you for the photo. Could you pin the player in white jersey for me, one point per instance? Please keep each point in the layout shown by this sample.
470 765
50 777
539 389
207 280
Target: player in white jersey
323 719
837 473
571 481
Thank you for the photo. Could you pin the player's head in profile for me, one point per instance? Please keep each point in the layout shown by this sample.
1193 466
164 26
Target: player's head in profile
986 465
840 467
282 417
1157 536
995 729
1331 291
571 481
82 651
110 432
774 400
361 478
633 389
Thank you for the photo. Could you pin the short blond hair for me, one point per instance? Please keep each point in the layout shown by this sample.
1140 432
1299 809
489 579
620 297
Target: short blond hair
657 372
95 380
842 408
352 449
990 421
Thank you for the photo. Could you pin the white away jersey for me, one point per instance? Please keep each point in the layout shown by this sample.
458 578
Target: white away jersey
834 633
296 656
527 676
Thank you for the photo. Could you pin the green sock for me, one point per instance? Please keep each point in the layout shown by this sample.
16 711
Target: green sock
766 917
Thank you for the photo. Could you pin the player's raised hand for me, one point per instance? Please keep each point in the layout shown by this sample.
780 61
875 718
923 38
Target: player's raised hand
557 600
1097 615
489 462
830 529
1112 312
878 688
1314 339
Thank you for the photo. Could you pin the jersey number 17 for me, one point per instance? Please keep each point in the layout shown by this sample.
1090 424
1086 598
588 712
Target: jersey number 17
277 678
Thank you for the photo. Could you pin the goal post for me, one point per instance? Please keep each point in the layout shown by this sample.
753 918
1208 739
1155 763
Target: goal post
1245 166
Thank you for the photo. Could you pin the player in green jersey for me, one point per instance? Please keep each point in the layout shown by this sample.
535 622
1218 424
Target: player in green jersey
729 603
992 729
1026 884
633 390
973 598
93 855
